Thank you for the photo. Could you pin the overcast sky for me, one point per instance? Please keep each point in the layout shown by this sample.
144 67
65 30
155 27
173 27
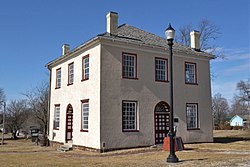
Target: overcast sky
33 31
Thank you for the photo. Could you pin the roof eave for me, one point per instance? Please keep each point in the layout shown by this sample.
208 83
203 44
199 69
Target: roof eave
74 51
196 53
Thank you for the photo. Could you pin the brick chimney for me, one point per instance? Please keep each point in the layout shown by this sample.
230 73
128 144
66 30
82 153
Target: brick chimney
195 40
65 49
112 23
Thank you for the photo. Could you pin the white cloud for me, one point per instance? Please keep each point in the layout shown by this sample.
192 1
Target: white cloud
233 55
235 69
228 72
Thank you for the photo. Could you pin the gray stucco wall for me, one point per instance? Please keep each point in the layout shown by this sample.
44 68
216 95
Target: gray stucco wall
148 93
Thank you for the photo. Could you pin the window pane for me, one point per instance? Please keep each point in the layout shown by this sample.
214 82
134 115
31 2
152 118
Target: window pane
192 120
129 116
85 115
71 73
86 68
129 65
190 70
58 78
57 117
160 69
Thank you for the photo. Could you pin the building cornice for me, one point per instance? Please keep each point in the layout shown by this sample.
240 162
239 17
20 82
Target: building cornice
115 42
73 53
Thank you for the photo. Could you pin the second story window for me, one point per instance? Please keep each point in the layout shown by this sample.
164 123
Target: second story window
71 74
85 68
58 78
129 65
190 73
161 69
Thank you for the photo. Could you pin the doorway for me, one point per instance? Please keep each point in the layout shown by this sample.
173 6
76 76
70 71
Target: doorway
162 121
69 123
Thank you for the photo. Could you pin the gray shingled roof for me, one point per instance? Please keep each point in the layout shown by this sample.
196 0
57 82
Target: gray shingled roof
129 33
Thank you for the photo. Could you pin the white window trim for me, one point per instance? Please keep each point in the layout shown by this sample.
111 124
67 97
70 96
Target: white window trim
135 120
57 117
129 67
58 79
163 76
85 75
192 107
189 76
70 73
84 114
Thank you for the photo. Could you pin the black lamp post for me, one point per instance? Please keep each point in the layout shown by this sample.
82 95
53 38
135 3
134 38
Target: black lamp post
172 158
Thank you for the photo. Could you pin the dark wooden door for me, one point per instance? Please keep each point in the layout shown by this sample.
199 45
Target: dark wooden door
162 116
69 123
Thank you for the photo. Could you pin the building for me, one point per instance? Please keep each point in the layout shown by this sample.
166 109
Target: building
113 91
239 120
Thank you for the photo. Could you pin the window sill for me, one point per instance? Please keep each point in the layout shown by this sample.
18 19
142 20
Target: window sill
194 129
69 84
130 78
187 83
57 87
85 79
55 128
162 81
84 130
130 130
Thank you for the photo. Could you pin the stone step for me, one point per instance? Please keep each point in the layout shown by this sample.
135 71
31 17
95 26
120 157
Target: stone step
66 147
69 144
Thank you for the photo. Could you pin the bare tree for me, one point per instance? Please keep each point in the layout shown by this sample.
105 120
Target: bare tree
220 108
38 102
17 114
2 96
241 101
209 33
183 34
243 89
2 101
238 108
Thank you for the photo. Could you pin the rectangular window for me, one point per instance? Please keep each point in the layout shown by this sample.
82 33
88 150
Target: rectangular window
129 65
129 116
71 74
192 116
58 78
161 72
190 73
85 115
57 116
85 68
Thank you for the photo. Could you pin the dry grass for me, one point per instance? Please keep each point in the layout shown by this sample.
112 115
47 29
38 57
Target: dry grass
24 153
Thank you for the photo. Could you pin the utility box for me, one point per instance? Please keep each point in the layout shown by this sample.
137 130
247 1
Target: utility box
34 134
178 144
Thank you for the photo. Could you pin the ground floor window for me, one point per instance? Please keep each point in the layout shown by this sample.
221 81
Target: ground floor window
129 116
57 116
85 115
192 115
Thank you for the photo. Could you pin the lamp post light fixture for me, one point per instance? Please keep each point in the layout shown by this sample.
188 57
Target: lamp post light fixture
172 158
